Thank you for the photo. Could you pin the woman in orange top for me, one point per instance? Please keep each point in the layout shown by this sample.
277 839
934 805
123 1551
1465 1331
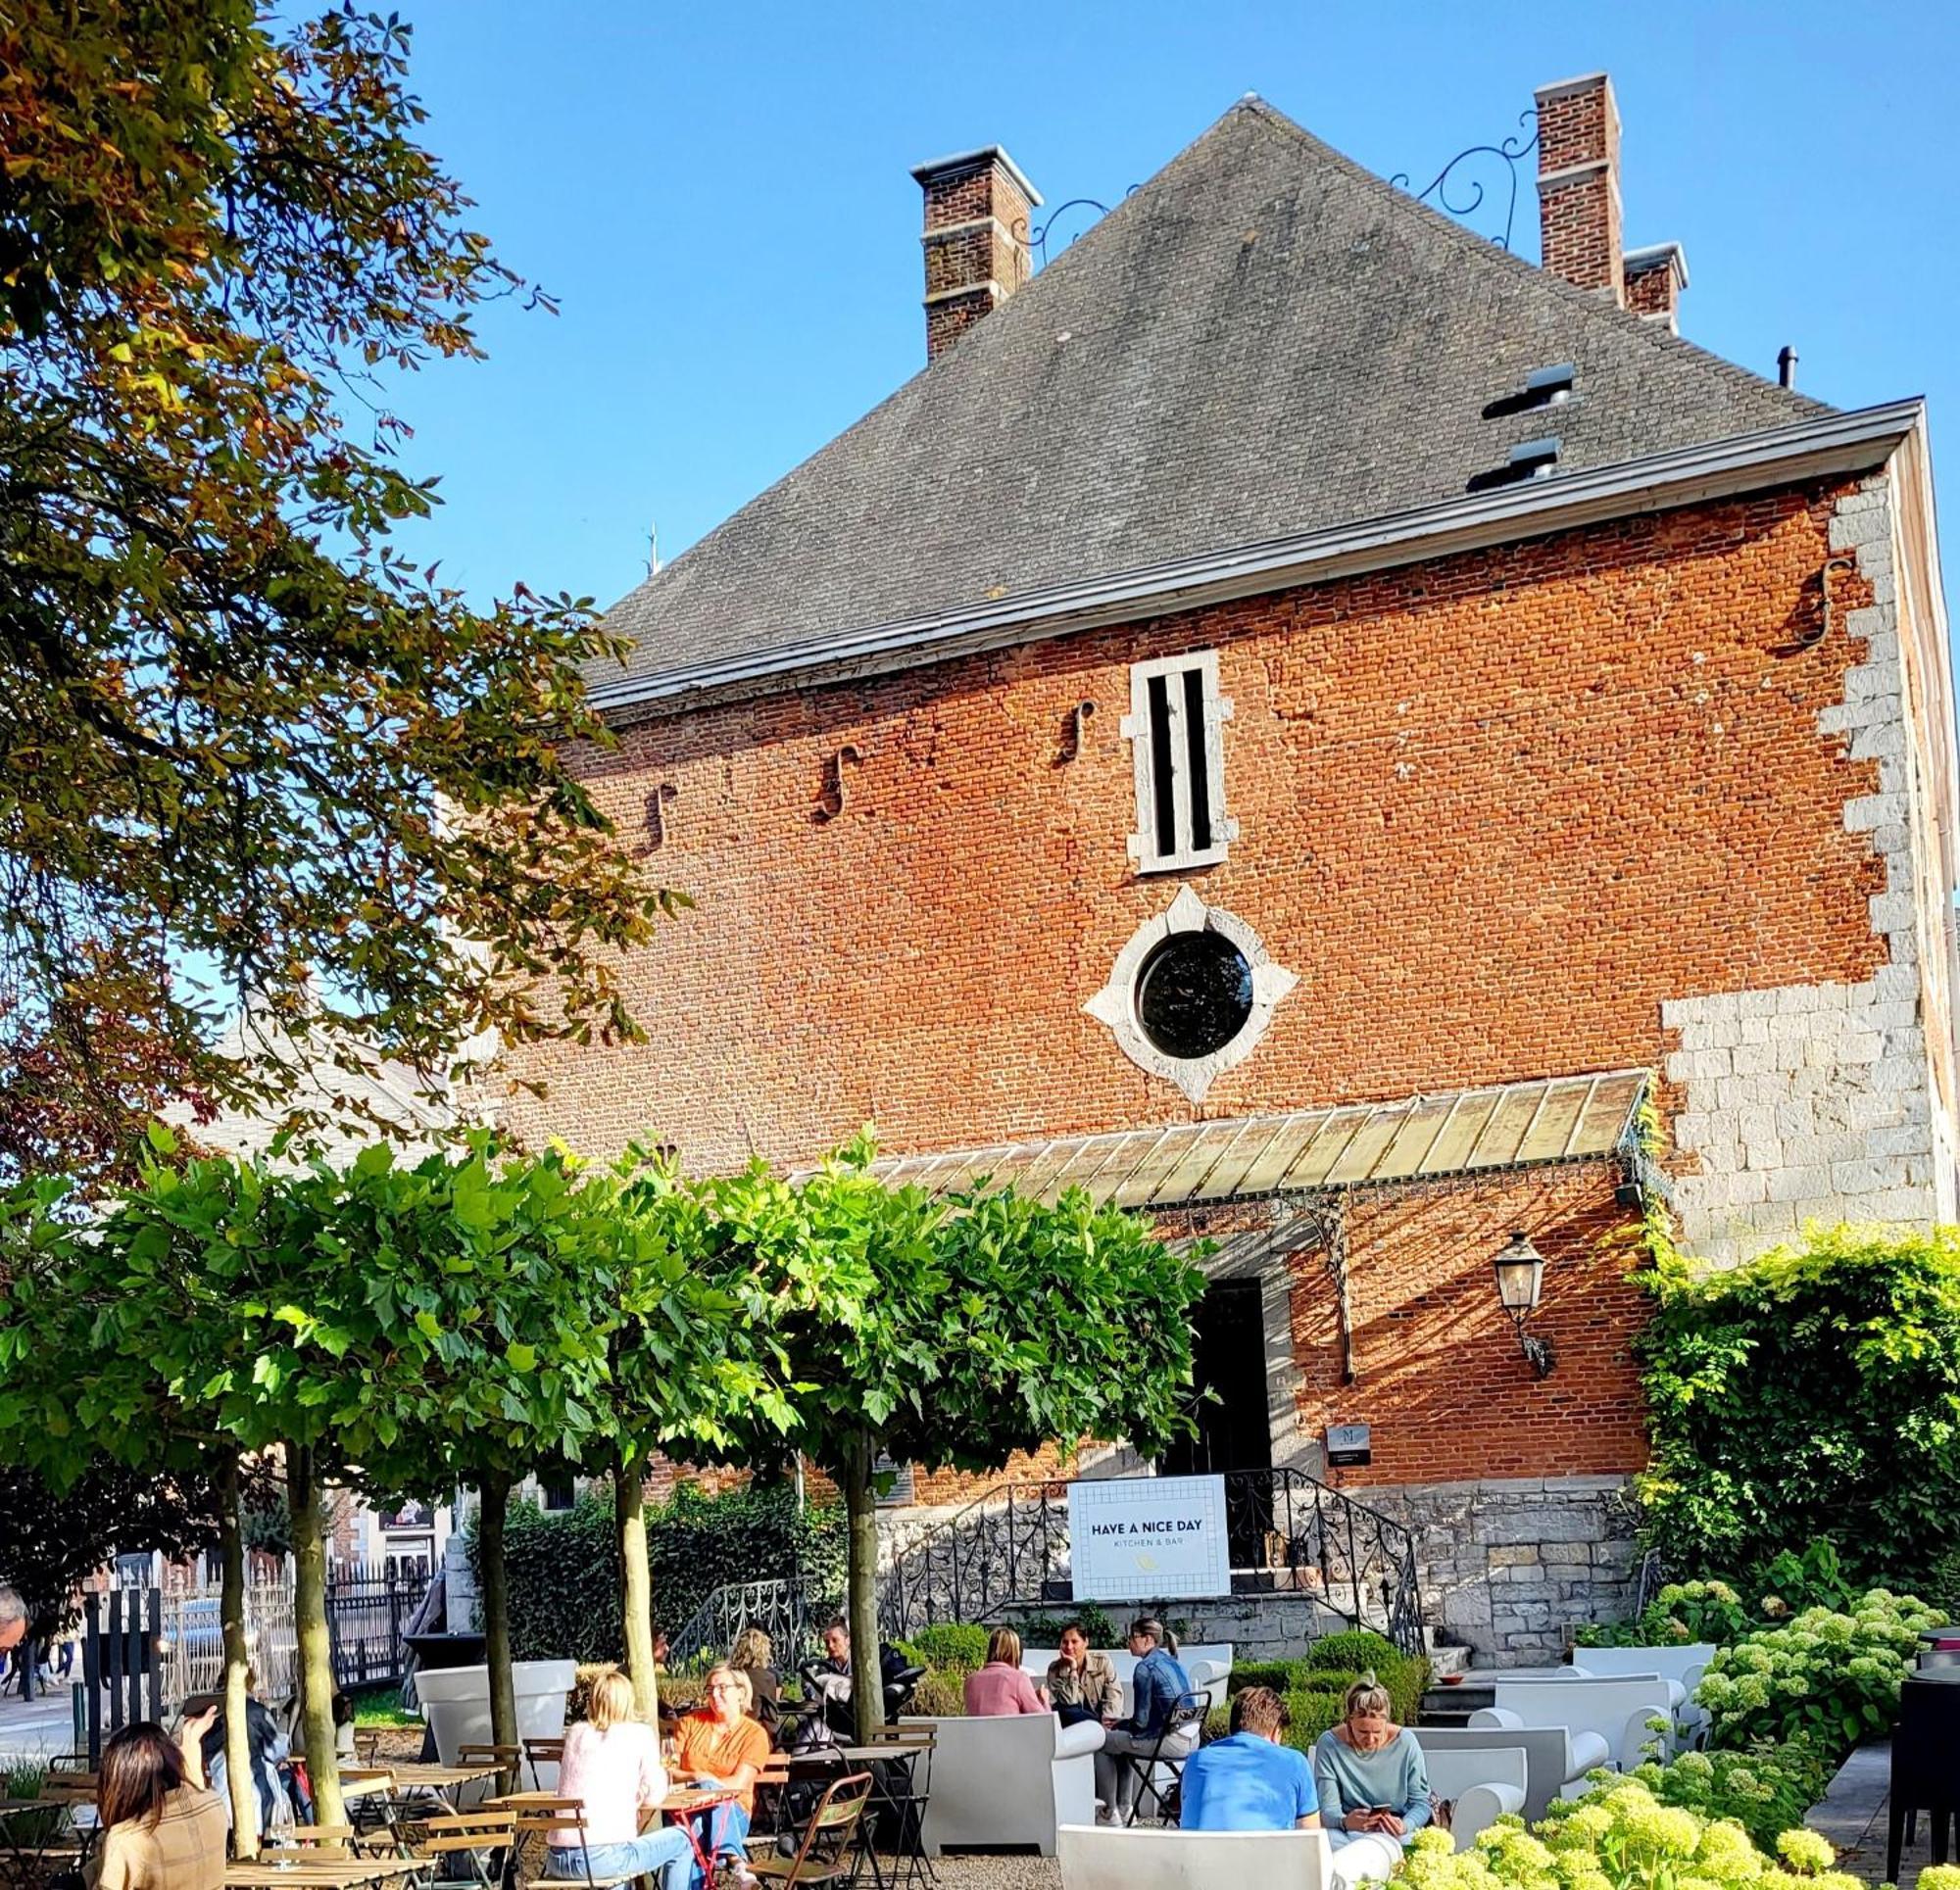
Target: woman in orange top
722 1743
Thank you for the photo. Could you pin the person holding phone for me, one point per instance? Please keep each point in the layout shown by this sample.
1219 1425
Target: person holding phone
164 1829
1372 1783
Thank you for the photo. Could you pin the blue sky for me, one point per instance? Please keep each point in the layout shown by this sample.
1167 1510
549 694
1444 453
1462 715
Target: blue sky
721 199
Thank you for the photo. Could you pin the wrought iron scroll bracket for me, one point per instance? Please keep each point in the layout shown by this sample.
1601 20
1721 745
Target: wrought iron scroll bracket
1033 236
1072 733
1512 152
1326 1216
656 815
831 799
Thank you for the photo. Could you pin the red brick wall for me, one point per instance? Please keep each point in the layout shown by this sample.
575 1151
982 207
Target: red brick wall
1439 1374
1493 811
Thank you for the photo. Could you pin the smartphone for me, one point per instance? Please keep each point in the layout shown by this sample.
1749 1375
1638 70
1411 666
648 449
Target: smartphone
199 1703
1381 1810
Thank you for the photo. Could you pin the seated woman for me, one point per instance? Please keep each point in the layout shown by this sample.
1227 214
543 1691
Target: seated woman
1082 1683
722 1743
754 1654
163 1829
1001 1689
612 1761
1161 1695
1372 1783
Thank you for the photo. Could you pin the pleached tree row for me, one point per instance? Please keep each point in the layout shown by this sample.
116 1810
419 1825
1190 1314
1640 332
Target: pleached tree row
403 1325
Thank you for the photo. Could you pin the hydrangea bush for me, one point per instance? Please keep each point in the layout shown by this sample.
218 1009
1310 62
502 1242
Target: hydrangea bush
1766 1789
1682 1612
1831 1679
1622 1837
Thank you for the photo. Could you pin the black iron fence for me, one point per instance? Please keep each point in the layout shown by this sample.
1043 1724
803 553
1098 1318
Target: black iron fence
144 1653
1289 1534
790 1613
367 1609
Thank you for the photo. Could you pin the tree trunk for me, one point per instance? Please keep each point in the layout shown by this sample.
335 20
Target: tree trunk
636 1591
496 1497
240 1782
316 1645
868 1684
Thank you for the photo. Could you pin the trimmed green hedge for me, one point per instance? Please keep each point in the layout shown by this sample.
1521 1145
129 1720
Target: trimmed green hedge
1334 1664
1310 1712
563 1565
953 1646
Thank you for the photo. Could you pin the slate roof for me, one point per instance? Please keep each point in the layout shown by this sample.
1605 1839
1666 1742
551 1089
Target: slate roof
1263 340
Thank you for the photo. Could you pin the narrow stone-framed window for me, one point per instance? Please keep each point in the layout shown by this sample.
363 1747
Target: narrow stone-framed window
1176 731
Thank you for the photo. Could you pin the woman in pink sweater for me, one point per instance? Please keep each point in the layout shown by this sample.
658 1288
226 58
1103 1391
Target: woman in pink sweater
613 1764
1000 1688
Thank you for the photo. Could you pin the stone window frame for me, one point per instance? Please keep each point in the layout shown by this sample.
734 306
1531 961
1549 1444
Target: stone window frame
1136 729
1116 1004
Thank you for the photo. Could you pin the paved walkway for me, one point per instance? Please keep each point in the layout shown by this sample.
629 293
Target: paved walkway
33 1729
1853 1817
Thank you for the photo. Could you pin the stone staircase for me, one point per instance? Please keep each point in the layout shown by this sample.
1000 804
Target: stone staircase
1455 1689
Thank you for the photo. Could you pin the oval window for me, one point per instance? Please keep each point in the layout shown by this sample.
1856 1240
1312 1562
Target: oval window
1194 994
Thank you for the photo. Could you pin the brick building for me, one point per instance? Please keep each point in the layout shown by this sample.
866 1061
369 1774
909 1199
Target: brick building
1299 721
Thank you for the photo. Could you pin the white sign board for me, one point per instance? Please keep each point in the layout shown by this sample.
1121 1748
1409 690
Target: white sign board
1148 1538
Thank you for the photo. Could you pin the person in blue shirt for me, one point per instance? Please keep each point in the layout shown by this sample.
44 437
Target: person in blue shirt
1250 1781
1158 1688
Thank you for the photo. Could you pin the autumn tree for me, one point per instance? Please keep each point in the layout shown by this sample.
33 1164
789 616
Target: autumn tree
247 742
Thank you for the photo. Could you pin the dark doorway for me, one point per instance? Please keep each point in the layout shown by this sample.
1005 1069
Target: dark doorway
1233 1425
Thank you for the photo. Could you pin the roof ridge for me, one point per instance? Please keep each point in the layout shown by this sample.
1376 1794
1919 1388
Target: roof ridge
1662 339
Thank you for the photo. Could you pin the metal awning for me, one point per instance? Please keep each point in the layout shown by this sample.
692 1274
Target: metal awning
1420 1139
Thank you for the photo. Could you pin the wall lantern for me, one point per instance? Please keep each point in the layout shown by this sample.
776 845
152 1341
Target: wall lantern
1520 1270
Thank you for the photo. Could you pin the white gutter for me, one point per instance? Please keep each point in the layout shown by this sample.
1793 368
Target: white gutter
1835 444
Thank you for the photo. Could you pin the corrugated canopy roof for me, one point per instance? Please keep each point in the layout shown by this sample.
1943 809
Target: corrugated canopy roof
1424 1138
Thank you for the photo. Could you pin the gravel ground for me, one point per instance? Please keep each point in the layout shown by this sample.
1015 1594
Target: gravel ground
998 1870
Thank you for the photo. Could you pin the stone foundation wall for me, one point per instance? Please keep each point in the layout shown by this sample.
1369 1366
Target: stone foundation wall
1509 1567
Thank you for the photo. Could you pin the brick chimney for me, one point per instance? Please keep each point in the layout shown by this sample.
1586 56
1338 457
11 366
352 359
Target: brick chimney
1579 184
1654 278
978 211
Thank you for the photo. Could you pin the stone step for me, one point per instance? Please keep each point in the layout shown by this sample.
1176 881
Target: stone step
1444 1659
1452 1706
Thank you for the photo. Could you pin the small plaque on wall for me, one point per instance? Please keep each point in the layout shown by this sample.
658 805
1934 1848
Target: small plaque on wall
1346 1446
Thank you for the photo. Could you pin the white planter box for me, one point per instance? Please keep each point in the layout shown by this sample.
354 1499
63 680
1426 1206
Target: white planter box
456 1703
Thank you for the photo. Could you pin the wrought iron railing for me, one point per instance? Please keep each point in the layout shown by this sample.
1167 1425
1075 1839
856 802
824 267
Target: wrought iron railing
1651 1578
1291 1535
790 1613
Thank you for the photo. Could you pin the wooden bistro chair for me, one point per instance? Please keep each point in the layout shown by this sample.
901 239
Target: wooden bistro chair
466 1849
772 1780
507 1760
542 1752
828 1851
910 1791
536 1819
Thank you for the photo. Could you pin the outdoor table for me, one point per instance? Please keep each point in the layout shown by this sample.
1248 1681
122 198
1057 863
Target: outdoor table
414 1778
69 1838
339 1872
908 1859
684 1803
66 1845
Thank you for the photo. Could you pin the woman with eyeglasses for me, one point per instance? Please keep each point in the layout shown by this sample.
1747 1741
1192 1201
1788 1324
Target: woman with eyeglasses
721 1743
